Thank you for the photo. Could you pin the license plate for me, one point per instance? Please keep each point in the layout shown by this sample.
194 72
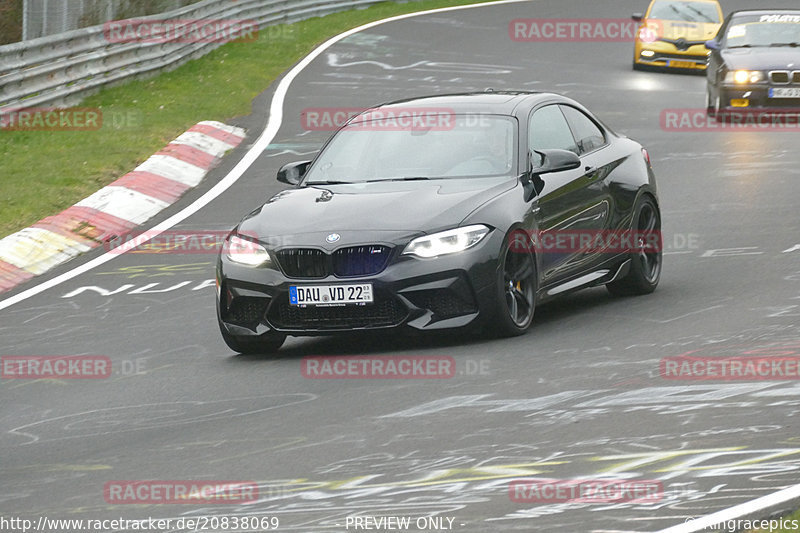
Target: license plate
681 64
784 92
330 295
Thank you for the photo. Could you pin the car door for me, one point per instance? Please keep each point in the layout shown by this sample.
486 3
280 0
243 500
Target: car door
572 202
598 165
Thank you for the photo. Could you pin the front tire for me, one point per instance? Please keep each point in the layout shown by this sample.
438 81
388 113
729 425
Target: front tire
718 114
645 269
516 292
710 107
268 343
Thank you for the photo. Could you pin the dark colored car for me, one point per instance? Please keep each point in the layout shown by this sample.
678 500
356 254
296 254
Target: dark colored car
428 214
754 62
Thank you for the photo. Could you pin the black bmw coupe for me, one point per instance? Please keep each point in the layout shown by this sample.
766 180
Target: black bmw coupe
456 211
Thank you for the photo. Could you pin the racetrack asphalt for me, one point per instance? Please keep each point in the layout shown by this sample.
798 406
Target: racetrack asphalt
579 397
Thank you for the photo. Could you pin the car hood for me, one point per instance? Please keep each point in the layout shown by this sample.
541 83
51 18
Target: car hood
369 212
762 58
691 31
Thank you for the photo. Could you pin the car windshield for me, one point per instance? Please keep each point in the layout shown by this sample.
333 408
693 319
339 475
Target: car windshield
688 11
767 30
380 147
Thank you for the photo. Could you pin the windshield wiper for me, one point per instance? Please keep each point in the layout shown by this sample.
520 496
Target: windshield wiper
679 12
332 182
404 178
338 182
740 46
793 45
702 15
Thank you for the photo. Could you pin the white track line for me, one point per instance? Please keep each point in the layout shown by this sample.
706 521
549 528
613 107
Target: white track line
273 125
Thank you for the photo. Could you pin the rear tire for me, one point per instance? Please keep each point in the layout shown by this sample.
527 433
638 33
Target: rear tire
267 343
516 292
645 271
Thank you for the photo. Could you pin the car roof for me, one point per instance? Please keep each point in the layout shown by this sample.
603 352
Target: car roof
783 11
495 102
700 1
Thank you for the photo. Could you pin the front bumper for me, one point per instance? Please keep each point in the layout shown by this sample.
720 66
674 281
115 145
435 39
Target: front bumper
738 98
665 55
450 291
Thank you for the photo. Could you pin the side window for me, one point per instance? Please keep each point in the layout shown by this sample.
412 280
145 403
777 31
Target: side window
589 135
549 130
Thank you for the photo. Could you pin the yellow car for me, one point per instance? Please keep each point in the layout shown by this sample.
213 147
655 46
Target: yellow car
673 33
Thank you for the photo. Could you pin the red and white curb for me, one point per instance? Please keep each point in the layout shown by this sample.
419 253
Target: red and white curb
119 207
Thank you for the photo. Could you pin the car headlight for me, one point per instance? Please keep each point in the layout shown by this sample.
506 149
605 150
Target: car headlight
744 76
446 242
246 252
648 34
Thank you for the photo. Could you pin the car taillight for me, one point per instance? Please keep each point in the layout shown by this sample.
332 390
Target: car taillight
646 155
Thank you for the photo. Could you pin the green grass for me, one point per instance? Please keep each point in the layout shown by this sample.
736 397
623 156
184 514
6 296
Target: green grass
10 21
43 173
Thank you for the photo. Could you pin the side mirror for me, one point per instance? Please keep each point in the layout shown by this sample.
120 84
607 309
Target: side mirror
292 173
712 45
556 161
548 161
637 17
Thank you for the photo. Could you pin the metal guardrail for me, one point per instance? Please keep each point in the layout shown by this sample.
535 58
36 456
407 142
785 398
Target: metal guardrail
60 70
